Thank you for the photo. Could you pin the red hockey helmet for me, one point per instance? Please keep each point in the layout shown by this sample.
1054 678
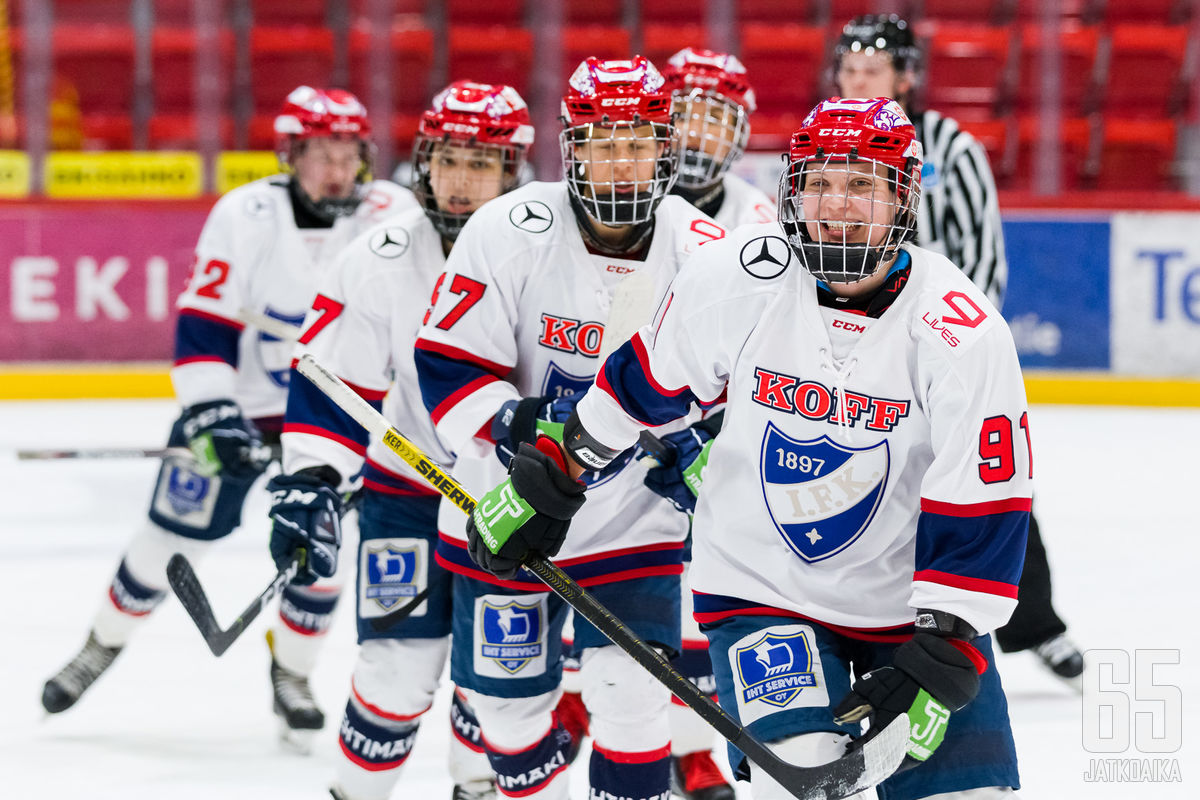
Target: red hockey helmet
309 113
848 198
713 100
620 150
472 116
606 92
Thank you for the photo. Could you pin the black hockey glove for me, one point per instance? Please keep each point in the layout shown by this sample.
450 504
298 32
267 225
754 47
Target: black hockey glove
522 421
223 441
527 514
931 675
680 470
305 513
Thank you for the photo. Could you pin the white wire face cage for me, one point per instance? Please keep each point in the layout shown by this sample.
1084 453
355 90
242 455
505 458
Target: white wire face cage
620 172
714 132
476 187
845 216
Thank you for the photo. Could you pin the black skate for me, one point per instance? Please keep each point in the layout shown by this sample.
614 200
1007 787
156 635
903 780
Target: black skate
695 776
298 712
64 689
475 790
1062 657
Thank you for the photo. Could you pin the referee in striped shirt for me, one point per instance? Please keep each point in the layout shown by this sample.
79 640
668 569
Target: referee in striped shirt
878 56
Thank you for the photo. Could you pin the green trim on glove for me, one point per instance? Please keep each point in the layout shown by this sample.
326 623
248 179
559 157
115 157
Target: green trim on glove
927 718
693 474
499 514
553 430
204 451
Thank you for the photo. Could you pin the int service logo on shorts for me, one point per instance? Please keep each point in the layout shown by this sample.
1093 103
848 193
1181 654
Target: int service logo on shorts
393 572
776 669
509 637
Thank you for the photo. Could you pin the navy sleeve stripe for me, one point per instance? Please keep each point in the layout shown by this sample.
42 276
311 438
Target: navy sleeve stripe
309 410
983 551
370 395
441 377
203 337
446 351
626 378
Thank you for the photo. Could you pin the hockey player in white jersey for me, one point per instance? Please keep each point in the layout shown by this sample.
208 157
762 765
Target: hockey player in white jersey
864 509
878 55
262 248
714 101
469 148
514 335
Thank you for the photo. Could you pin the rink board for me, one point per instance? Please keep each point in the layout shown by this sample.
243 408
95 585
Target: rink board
1105 298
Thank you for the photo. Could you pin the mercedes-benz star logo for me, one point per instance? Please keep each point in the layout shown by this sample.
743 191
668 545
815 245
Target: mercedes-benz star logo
766 257
390 243
258 207
532 216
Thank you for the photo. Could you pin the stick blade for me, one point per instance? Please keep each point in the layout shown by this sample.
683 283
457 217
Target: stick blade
632 304
858 770
186 585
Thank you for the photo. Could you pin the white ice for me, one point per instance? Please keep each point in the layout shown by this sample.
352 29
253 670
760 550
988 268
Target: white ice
1117 498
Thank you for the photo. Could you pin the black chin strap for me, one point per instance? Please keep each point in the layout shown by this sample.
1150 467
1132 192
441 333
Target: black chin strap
709 199
304 210
638 234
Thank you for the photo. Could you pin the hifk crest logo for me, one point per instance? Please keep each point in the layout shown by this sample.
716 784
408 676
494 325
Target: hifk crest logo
276 353
560 383
821 495
511 633
186 490
392 574
775 668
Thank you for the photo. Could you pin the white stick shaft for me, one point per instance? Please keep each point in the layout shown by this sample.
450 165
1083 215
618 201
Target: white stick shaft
269 325
345 397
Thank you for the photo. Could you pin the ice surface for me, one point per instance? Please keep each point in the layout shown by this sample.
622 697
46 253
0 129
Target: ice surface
1117 497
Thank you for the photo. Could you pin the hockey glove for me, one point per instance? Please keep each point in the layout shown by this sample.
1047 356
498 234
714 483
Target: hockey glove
223 441
680 470
526 515
931 675
521 421
305 512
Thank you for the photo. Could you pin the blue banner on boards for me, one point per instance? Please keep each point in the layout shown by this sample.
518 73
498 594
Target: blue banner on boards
1057 302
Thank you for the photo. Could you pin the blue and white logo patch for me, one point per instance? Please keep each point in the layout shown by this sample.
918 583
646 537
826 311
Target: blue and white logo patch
821 495
185 495
275 353
391 572
560 383
777 668
509 636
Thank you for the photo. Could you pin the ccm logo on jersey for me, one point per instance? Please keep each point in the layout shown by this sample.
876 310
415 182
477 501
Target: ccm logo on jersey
966 313
815 401
847 325
570 335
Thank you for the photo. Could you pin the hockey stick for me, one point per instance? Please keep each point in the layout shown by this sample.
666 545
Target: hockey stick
392 617
269 325
101 452
187 588
879 753
186 585
632 302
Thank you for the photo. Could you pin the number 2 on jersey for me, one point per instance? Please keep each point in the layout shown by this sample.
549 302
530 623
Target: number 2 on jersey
217 272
